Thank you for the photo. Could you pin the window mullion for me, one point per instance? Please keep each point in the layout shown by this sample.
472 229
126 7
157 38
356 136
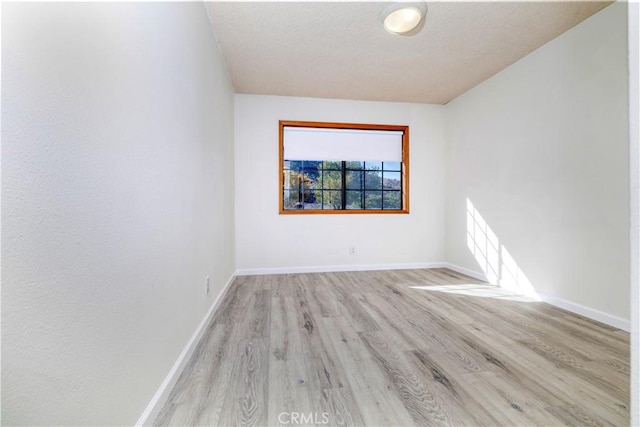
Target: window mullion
382 187
322 186
344 185
362 193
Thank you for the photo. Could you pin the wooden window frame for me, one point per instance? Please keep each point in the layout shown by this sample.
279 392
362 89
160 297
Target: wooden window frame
359 126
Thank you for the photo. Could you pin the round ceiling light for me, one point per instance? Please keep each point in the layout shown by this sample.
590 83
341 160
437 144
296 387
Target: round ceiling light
404 18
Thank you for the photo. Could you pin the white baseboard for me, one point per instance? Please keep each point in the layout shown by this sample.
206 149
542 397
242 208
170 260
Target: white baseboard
333 268
358 267
606 318
466 271
156 404
591 313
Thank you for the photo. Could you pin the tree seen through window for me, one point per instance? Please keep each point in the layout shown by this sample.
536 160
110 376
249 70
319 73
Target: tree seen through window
348 185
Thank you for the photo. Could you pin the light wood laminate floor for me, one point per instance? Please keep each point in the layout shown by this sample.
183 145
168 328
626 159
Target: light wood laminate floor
406 347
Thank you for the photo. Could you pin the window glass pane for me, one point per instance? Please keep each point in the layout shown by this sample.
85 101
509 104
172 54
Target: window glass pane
300 175
354 180
310 169
354 200
294 164
373 166
331 199
392 166
292 199
307 182
331 180
315 204
373 180
373 200
332 165
392 200
307 195
316 196
391 181
291 180
355 165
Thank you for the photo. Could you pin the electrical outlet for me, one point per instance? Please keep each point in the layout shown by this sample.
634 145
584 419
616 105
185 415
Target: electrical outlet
352 250
208 283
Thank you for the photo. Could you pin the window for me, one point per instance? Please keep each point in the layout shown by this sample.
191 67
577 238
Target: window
343 168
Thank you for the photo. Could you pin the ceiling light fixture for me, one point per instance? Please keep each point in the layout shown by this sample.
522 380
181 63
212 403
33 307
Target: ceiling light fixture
404 18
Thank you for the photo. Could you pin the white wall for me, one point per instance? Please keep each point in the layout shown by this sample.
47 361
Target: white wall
267 240
117 201
541 150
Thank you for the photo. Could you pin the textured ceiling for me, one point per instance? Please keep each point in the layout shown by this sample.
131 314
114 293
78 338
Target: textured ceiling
340 50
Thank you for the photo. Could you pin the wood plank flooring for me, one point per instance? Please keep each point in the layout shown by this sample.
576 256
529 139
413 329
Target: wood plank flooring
398 348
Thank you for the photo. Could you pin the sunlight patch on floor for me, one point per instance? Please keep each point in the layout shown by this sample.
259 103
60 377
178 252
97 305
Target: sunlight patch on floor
478 290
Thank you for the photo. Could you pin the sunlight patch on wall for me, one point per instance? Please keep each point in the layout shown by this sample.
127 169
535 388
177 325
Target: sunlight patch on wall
493 258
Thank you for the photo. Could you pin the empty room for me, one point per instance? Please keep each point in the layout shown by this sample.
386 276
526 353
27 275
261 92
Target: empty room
320 213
